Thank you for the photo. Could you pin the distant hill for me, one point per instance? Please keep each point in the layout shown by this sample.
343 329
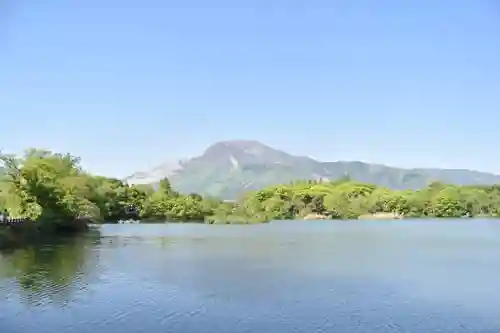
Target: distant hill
229 168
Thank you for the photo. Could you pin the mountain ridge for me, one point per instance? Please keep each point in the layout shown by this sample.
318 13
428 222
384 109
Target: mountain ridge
228 168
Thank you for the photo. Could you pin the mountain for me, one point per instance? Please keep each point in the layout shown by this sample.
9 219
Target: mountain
229 168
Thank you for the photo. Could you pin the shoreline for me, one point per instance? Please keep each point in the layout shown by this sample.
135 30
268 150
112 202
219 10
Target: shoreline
12 237
30 232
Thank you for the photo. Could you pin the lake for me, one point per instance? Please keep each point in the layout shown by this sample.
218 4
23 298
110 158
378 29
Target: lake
283 277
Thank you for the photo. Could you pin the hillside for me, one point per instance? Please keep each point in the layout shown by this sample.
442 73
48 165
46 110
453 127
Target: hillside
227 169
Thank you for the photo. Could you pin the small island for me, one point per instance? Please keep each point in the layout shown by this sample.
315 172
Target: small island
53 194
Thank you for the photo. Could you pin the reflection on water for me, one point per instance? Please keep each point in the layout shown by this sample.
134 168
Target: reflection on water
49 273
411 276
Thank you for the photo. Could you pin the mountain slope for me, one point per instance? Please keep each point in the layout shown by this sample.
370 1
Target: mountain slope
227 169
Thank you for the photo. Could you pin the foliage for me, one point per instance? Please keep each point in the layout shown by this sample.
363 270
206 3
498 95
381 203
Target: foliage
52 189
346 199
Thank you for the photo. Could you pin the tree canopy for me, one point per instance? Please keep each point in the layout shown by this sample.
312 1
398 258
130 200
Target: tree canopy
346 199
50 187
46 186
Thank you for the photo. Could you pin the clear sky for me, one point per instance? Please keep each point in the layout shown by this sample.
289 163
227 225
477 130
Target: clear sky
127 85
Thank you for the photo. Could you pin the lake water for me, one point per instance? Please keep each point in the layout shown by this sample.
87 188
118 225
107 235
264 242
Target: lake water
283 277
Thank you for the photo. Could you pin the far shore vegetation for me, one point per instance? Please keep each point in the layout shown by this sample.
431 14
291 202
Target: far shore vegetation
53 193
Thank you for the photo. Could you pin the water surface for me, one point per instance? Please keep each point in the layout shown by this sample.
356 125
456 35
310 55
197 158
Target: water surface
283 277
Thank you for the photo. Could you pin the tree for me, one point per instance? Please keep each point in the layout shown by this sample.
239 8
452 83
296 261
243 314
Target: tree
52 189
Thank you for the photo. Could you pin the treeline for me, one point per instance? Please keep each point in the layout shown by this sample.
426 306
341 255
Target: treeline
346 199
53 189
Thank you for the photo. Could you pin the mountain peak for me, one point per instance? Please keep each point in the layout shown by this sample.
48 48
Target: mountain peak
250 147
239 143
228 168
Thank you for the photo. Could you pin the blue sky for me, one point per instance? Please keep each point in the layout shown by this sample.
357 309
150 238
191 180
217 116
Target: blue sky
127 85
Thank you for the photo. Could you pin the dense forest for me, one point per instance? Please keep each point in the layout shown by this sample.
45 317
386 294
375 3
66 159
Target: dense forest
345 199
52 188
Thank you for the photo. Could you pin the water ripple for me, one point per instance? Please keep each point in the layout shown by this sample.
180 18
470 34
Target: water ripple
276 278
